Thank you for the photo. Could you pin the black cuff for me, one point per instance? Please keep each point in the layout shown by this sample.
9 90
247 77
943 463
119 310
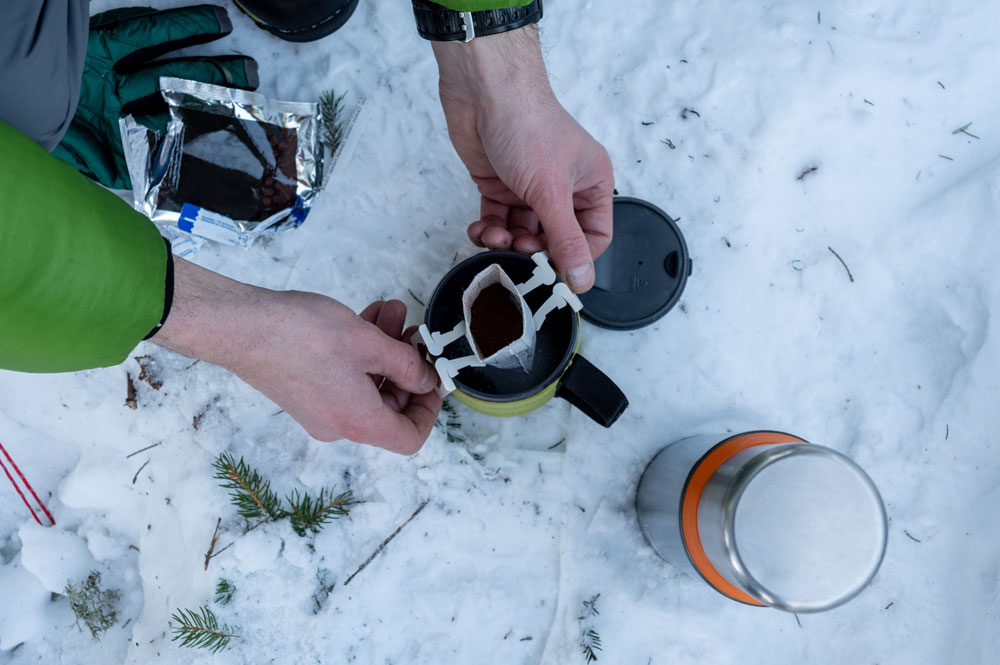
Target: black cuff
168 292
440 24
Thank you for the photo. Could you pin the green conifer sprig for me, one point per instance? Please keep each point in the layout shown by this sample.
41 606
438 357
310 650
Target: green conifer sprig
224 591
201 629
249 492
331 108
591 642
310 513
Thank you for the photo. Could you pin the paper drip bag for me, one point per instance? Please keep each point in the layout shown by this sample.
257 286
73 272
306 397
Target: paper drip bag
520 352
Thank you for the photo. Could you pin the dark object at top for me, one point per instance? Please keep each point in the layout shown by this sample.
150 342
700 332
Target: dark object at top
440 24
496 319
642 274
298 20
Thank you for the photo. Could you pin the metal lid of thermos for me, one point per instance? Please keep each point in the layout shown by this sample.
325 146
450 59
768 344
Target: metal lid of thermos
766 518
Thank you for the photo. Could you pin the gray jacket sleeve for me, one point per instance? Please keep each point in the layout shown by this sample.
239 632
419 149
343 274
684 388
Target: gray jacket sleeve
42 48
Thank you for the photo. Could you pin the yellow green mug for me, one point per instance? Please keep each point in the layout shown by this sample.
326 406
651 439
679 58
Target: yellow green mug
557 370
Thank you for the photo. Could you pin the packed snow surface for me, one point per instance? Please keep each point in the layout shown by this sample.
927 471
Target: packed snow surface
779 134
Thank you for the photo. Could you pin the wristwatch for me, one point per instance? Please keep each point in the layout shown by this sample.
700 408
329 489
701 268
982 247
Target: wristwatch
440 24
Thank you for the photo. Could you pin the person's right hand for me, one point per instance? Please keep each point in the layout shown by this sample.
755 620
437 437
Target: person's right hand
315 358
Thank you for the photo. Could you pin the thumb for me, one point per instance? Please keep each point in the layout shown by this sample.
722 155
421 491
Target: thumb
402 364
567 244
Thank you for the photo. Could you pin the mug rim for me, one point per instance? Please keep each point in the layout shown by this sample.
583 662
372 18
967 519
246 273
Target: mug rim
552 378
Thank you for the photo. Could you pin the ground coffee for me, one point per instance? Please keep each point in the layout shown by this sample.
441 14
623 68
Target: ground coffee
496 319
243 169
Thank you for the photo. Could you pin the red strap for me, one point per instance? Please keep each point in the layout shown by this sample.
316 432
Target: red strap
26 484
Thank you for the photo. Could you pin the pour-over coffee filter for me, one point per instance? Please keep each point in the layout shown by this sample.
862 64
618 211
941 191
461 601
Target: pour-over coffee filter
518 353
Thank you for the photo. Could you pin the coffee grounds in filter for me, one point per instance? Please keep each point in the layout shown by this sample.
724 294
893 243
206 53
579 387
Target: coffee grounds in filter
496 319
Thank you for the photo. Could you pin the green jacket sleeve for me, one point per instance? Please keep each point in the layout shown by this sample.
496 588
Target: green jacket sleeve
481 5
82 275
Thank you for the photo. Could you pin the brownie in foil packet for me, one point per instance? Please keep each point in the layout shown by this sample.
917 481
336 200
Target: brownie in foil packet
231 165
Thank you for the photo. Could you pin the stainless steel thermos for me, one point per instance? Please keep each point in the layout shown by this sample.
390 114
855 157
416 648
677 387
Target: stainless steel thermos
765 518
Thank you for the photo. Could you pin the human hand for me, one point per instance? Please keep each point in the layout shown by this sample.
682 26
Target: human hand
545 182
340 375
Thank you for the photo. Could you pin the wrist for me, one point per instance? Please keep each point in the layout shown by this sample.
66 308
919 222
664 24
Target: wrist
494 70
211 316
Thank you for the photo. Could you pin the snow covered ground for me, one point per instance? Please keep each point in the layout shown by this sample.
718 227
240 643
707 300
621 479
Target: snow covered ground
898 369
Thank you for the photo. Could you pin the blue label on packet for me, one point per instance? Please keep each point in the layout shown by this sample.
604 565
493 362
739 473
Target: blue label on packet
189 213
207 224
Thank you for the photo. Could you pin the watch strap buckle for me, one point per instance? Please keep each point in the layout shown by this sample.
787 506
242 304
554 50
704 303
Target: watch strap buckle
468 26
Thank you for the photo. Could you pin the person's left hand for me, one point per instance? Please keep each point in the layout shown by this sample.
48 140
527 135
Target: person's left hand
121 76
545 182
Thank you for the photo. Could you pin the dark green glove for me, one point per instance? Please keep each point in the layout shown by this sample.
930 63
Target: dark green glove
120 79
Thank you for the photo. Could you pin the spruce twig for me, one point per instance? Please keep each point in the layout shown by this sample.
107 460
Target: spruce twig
590 641
92 605
201 629
310 514
331 108
248 491
224 591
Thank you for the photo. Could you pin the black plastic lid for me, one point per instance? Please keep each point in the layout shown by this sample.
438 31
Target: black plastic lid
642 274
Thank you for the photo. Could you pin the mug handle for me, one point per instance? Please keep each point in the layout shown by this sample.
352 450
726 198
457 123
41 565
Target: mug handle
590 390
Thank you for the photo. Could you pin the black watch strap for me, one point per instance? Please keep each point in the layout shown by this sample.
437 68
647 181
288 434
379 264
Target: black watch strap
440 24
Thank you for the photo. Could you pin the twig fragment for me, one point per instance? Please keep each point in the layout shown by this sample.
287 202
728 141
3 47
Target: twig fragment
130 394
849 275
910 536
811 169
386 542
211 546
143 449
136 476
964 129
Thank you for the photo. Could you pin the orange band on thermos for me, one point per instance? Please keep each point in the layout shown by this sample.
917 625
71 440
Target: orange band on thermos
696 484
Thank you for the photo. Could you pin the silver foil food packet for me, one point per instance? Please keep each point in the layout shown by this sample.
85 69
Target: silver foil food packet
231 165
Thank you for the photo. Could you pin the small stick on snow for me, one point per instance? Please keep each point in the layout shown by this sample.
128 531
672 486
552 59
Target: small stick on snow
849 275
916 540
386 542
136 476
143 449
811 169
211 547
414 295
